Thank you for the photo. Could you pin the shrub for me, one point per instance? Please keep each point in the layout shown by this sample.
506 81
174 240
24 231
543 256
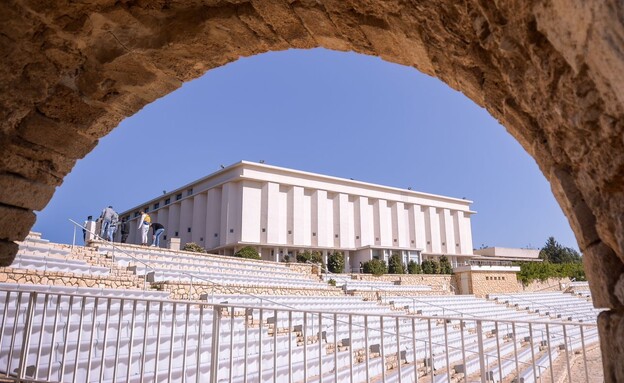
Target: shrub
395 264
336 262
192 246
310 256
331 282
430 266
531 271
375 267
414 268
435 267
247 252
445 265
427 268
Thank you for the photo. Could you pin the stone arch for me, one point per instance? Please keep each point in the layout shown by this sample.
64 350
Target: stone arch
549 71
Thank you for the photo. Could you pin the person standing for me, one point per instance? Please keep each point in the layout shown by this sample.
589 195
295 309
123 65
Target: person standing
144 225
84 228
158 229
124 230
106 217
112 228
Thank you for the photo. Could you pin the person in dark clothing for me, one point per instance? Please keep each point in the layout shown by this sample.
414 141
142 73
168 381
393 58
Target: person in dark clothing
124 230
158 229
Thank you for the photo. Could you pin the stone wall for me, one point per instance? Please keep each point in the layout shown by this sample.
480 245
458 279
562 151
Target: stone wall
552 284
26 276
494 282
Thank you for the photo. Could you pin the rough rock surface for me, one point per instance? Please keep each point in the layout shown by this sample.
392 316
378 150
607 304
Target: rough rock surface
550 71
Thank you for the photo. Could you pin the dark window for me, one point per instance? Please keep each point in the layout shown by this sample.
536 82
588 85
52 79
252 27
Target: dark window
216 235
188 230
165 237
289 231
201 239
146 209
357 237
336 235
189 192
136 213
314 234
156 205
231 230
263 230
178 197
167 201
395 240
176 234
412 241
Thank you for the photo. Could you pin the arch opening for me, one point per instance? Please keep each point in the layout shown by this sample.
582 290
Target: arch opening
547 72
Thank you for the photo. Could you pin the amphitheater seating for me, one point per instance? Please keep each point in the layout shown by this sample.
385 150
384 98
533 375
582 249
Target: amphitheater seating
105 335
553 304
349 284
161 265
51 263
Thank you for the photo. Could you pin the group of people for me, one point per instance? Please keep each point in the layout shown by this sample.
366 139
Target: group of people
145 224
109 220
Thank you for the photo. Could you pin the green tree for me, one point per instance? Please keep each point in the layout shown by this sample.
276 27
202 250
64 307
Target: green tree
445 265
554 252
395 264
435 266
414 268
247 252
427 267
310 256
304 256
531 271
375 267
336 262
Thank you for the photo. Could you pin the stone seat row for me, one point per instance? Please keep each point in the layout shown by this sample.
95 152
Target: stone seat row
162 275
49 263
174 266
42 249
156 254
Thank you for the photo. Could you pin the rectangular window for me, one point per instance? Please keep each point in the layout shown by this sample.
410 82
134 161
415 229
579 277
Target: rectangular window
188 230
156 205
176 234
146 209
189 192
167 201
136 214
178 197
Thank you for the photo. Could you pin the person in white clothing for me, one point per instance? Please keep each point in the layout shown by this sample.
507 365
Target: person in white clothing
143 226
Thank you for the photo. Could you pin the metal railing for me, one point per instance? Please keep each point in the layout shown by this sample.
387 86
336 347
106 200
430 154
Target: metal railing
52 337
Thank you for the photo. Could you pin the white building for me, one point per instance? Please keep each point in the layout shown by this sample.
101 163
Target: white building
282 211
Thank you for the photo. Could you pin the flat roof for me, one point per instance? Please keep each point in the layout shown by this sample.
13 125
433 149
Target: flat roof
333 179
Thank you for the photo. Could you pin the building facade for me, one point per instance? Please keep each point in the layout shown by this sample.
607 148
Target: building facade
282 211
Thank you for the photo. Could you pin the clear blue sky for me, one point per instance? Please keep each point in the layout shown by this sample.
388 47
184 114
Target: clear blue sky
333 113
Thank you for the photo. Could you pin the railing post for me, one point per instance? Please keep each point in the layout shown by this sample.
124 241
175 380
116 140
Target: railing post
27 331
481 351
214 351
